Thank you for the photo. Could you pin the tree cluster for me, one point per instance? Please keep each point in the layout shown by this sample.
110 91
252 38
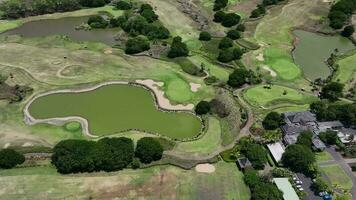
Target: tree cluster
9 158
178 48
242 76
204 36
122 5
14 9
148 150
137 44
107 154
329 137
298 158
340 13
305 138
202 108
256 153
346 113
97 21
272 121
261 8
332 91
229 54
147 12
348 31
261 188
220 4
227 19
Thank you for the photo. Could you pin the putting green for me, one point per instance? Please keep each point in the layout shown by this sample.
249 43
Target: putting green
115 108
260 96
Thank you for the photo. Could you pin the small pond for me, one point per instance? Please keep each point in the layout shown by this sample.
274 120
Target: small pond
65 26
312 50
117 107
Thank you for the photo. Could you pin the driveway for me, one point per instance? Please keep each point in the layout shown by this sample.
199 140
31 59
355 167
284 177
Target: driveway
306 186
343 164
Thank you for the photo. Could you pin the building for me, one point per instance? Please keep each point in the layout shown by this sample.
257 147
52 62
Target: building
244 163
286 187
277 150
318 145
299 118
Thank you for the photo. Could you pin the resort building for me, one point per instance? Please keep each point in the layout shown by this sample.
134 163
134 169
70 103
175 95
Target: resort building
277 150
286 187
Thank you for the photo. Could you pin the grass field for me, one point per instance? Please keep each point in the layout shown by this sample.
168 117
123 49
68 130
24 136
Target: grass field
162 182
210 141
260 96
323 156
337 176
347 70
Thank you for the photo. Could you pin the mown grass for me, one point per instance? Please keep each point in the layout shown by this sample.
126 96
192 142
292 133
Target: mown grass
261 96
347 69
337 176
323 156
210 141
161 182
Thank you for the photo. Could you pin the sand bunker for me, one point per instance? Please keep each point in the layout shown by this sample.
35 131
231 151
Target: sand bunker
205 168
260 57
108 51
6 145
273 73
194 87
163 102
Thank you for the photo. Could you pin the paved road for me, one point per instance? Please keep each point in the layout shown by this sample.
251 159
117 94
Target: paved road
343 164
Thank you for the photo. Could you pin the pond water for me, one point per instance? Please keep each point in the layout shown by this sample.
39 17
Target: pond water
65 26
114 108
312 50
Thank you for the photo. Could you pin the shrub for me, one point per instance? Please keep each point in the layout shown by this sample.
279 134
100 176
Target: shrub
122 5
97 22
202 108
219 16
332 91
225 56
219 4
178 48
137 44
241 28
9 158
148 149
348 31
233 34
225 43
204 36
147 12
230 19
238 77
329 137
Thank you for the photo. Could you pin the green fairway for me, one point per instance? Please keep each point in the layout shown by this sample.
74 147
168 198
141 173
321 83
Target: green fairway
210 141
337 176
261 96
280 62
160 182
347 69
115 108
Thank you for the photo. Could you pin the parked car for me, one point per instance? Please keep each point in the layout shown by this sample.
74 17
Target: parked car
298 182
300 189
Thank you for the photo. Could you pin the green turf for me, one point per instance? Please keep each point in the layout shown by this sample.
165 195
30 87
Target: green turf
210 141
116 108
337 176
323 156
260 96
347 69
72 126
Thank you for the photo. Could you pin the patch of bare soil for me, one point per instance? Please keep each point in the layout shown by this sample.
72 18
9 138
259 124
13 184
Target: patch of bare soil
205 168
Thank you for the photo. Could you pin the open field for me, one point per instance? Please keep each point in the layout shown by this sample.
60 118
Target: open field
162 182
261 96
337 177
346 72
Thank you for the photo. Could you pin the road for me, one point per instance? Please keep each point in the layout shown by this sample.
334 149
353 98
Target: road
343 164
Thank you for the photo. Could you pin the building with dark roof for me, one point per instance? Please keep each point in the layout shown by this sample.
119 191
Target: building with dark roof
244 163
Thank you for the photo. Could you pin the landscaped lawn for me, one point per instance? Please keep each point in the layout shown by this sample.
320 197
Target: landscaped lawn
323 156
210 141
160 182
337 176
260 96
346 70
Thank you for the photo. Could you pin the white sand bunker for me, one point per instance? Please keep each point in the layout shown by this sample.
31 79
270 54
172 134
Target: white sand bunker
194 87
6 145
108 51
205 168
273 73
163 102
260 57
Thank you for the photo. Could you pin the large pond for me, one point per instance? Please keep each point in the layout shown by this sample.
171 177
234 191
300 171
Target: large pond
65 26
115 108
312 50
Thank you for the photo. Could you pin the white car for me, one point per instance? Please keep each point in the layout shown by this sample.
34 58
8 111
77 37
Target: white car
299 186
298 182
300 189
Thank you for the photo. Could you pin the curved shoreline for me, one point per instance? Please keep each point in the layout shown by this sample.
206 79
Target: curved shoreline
59 121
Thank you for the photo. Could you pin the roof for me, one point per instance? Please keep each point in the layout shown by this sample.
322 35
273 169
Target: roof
318 143
244 162
330 124
284 185
300 116
277 150
293 129
290 139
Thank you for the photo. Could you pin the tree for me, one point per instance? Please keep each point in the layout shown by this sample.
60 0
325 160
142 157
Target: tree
251 178
233 34
305 138
256 154
156 31
9 158
241 28
202 108
238 77
225 56
237 53
330 137
298 158
148 149
219 16
204 36
137 44
178 48
97 21
219 4
348 31
230 19
225 43
266 191
332 91
319 185
147 12
122 5
272 121
13 9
